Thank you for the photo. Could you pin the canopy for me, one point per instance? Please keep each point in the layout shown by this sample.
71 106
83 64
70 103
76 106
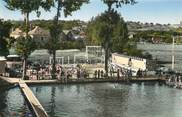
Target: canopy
2 58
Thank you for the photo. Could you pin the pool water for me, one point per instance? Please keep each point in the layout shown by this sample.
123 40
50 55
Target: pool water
12 103
97 100
110 100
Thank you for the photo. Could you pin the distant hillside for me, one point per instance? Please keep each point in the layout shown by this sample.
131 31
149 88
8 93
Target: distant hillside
65 25
150 32
138 26
68 25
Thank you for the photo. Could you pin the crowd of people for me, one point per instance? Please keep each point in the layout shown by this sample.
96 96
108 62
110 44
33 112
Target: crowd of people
126 73
62 72
43 71
39 71
174 81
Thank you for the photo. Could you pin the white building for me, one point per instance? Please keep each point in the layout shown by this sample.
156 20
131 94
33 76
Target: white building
177 25
129 62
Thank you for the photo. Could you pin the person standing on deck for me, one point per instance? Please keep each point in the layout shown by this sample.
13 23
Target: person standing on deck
78 73
98 73
118 74
102 74
95 73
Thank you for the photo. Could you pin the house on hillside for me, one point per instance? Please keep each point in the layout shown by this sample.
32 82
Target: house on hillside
131 35
17 33
69 35
156 40
77 29
40 35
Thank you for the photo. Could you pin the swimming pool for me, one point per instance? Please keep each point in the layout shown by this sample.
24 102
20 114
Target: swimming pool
101 100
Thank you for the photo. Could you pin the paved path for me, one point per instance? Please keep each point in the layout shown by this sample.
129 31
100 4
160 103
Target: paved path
37 108
10 80
87 80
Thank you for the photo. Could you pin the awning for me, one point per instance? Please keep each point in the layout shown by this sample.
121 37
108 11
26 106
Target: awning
2 58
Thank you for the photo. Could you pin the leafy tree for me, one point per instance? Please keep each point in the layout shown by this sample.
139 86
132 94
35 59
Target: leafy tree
67 7
107 30
96 34
131 50
5 28
26 7
25 46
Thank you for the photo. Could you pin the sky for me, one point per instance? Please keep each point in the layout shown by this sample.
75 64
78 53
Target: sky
156 11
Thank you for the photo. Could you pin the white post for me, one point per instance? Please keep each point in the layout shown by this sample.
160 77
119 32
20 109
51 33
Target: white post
50 59
172 67
87 52
62 61
59 60
74 59
68 60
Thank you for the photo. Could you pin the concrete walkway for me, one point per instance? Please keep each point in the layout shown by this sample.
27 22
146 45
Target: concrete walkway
33 103
82 80
10 80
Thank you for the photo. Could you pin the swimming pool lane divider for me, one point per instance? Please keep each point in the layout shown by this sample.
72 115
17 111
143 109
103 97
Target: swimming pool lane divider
33 103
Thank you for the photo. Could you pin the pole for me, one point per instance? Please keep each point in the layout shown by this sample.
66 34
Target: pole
87 52
173 54
62 61
74 59
68 60
50 58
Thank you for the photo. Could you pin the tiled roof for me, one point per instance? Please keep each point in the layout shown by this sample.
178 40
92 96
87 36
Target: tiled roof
39 31
17 31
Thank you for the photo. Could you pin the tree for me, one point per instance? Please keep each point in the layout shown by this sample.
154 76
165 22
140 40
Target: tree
26 7
108 31
25 46
97 32
67 7
5 28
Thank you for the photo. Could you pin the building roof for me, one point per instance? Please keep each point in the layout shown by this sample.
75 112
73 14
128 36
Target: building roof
66 31
39 31
17 31
13 55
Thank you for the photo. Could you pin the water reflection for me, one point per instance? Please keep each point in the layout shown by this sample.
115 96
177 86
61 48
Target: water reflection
3 105
12 104
52 102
